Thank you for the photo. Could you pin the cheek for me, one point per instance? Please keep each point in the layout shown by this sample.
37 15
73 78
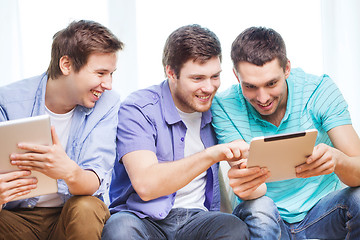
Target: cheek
278 92
248 95
216 87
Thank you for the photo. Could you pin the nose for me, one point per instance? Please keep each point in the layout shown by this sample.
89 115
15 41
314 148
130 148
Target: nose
262 96
107 82
210 86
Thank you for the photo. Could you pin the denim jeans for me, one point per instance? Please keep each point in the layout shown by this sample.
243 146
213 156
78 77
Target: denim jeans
336 216
179 224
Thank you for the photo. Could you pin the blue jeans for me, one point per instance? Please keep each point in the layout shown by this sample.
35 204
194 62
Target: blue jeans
336 216
179 224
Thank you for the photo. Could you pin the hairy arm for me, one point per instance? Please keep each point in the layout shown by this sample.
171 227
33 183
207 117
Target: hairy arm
148 176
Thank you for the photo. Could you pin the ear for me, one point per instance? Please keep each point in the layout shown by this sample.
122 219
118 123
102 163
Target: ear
170 73
287 69
236 74
65 65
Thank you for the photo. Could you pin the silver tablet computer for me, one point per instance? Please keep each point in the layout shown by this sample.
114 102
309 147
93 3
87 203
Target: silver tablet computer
281 153
31 130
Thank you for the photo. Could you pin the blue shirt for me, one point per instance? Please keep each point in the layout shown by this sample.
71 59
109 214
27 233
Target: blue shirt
92 139
149 120
313 102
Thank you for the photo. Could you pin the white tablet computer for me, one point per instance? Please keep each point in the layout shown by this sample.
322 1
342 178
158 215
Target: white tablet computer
281 153
31 130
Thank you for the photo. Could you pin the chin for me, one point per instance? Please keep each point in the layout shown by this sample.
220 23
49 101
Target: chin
202 109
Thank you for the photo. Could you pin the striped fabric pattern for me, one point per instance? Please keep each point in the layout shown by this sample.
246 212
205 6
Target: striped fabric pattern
313 102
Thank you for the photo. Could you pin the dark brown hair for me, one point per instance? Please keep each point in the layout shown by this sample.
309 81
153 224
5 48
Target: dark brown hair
190 42
258 45
78 41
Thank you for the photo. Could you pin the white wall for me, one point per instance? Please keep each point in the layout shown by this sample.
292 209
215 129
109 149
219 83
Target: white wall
321 36
341 47
299 22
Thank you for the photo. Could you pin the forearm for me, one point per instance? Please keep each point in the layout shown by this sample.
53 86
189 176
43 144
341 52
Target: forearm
82 182
161 179
348 170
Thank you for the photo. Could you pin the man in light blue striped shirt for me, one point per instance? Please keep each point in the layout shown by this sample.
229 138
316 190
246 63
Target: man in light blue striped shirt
271 98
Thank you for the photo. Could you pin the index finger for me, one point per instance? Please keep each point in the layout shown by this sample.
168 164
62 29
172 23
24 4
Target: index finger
7 177
236 172
31 147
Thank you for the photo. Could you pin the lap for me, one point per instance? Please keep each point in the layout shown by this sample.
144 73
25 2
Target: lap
335 215
28 223
179 224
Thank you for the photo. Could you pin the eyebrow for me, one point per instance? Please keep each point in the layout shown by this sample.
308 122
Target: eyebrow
104 70
272 80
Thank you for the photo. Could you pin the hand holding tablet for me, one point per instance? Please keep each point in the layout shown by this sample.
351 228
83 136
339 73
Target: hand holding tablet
280 154
31 130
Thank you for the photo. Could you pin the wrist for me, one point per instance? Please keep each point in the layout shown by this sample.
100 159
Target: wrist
211 155
72 174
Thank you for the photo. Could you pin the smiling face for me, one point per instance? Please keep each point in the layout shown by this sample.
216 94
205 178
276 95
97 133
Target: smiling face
86 86
265 88
196 86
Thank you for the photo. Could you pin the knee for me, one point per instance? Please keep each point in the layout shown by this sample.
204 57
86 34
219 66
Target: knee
86 206
234 227
123 225
260 205
352 195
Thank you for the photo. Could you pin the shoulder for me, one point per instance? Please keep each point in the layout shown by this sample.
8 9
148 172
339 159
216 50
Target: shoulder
21 90
144 98
228 94
109 98
308 81
228 98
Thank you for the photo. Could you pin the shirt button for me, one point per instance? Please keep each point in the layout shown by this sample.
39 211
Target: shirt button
182 139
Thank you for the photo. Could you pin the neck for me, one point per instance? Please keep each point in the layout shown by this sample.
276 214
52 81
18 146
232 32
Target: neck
275 118
56 99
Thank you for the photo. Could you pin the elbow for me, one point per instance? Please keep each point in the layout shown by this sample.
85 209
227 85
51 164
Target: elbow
144 191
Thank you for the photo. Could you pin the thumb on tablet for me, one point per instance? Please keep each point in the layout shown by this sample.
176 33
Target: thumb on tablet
54 136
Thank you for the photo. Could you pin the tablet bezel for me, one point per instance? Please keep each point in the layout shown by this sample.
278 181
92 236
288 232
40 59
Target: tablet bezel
32 130
281 153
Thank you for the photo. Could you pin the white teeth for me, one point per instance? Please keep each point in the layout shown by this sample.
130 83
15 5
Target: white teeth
96 93
264 105
204 97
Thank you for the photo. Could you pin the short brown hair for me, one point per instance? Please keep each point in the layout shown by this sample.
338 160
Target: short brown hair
258 45
78 41
190 42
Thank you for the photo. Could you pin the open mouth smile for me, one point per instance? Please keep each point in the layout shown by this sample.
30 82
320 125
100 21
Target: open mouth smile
96 93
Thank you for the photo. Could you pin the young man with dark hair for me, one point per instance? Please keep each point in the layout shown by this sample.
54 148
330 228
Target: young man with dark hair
74 92
166 183
271 98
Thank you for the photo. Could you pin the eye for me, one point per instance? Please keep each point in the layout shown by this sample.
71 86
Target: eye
217 76
249 86
197 78
272 83
100 74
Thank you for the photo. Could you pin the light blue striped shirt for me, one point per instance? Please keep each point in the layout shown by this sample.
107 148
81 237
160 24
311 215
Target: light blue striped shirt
313 102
